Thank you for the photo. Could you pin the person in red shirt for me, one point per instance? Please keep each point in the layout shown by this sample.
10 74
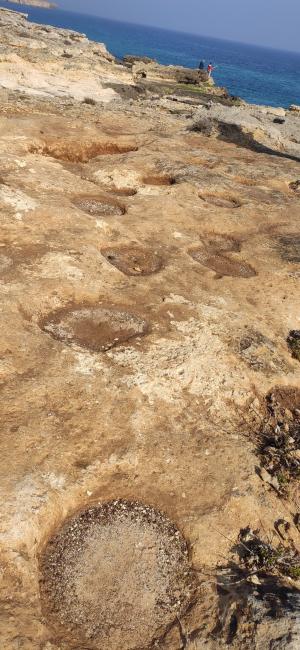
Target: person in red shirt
210 69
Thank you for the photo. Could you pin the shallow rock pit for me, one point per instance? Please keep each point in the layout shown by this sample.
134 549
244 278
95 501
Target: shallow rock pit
156 179
79 152
221 264
133 260
124 191
289 247
220 200
97 206
116 575
97 328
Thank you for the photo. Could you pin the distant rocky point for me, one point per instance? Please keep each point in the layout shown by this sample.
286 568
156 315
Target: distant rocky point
34 3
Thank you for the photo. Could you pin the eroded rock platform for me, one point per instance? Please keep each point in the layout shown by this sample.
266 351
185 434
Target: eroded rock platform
149 278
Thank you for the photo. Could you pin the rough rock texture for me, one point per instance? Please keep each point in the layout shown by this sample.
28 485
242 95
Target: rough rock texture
115 576
294 108
258 127
49 62
149 280
151 69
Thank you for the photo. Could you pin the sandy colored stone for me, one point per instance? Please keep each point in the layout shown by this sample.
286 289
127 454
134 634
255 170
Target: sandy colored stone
167 416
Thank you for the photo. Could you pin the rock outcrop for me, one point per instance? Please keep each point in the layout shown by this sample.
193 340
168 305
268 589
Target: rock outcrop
34 3
150 69
149 375
265 129
294 108
42 60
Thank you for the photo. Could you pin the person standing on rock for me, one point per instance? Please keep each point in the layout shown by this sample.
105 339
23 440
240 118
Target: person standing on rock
201 65
210 69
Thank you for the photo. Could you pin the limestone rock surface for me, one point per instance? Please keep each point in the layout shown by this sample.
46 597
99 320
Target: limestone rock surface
149 280
254 126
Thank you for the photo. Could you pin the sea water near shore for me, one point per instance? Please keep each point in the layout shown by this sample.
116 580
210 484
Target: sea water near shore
258 75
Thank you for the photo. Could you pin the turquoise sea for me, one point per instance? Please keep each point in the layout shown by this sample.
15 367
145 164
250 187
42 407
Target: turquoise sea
258 75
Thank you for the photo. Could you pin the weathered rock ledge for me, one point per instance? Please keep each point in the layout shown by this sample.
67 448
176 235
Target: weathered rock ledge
259 127
149 356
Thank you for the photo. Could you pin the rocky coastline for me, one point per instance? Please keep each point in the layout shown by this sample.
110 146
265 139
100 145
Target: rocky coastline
149 354
44 4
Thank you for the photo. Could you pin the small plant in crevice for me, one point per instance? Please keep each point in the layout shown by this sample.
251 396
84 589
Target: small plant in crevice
90 101
278 439
293 341
258 555
256 594
295 186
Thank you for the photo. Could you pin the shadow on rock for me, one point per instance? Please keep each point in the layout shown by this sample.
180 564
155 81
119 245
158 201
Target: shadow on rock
258 609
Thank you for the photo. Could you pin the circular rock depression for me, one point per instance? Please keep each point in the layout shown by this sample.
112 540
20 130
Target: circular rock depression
220 199
79 152
158 179
289 247
98 206
133 260
124 191
222 265
115 576
95 328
